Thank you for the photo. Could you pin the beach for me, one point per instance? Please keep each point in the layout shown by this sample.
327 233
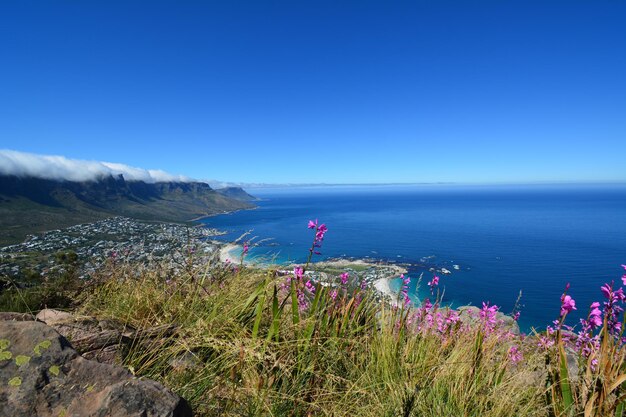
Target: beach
226 254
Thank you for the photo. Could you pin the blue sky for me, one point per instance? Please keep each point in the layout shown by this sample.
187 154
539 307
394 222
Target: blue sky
340 92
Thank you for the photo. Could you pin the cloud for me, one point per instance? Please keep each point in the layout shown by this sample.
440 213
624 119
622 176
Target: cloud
60 168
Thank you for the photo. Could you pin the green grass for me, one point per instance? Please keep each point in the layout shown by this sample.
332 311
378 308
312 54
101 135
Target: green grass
244 352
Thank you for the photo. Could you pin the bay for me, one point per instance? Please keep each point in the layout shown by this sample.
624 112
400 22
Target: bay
503 239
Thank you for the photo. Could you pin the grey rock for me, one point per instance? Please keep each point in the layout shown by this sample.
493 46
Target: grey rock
51 316
42 375
9 316
101 340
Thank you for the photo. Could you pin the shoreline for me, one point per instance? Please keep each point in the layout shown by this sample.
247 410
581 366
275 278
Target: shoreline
225 253
376 273
384 272
206 216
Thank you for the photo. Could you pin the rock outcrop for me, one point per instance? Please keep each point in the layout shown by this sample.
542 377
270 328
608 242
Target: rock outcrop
41 374
106 341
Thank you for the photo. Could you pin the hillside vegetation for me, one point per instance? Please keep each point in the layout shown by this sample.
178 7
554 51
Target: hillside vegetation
253 342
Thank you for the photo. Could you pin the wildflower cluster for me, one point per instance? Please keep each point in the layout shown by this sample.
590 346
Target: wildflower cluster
304 289
489 317
429 318
586 341
599 345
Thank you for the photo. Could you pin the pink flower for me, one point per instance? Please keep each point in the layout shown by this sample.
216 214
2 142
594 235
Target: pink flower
545 342
245 248
320 231
567 304
432 284
516 315
405 289
595 315
344 278
298 272
488 315
514 354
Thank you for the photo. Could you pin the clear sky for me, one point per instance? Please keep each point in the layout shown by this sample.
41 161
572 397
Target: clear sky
296 91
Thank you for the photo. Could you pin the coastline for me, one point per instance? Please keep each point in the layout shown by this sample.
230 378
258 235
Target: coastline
377 274
384 272
206 216
226 255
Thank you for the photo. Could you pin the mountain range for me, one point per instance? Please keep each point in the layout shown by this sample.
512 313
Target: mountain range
29 204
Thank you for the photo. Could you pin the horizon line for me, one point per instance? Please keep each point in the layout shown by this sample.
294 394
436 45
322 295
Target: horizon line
478 183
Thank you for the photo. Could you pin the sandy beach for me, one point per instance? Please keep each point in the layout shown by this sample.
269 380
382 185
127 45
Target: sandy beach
382 286
226 255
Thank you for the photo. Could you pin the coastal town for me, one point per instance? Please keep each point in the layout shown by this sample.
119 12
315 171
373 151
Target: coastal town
116 239
174 246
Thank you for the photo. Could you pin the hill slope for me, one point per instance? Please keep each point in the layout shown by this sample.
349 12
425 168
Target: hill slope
29 205
237 193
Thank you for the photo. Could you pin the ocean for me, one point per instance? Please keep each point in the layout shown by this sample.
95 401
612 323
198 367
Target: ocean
496 241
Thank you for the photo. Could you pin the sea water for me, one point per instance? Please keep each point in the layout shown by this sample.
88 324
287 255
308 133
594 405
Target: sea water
496 241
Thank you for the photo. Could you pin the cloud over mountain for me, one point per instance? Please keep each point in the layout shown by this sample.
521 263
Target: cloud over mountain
52 167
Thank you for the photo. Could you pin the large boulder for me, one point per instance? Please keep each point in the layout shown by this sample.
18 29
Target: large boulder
42 375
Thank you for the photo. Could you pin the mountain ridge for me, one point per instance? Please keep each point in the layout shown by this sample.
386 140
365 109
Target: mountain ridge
29 204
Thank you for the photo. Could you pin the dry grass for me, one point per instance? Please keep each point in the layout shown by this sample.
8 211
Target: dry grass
241 351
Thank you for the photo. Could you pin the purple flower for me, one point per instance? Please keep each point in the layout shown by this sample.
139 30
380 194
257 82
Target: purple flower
567 304
514 354
612 308
320 231
595 315
405 289
344 278
516 315
303 304
246 247
488 315
298 272
432 284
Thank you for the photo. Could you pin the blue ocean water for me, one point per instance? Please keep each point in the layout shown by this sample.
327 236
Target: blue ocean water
504 239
